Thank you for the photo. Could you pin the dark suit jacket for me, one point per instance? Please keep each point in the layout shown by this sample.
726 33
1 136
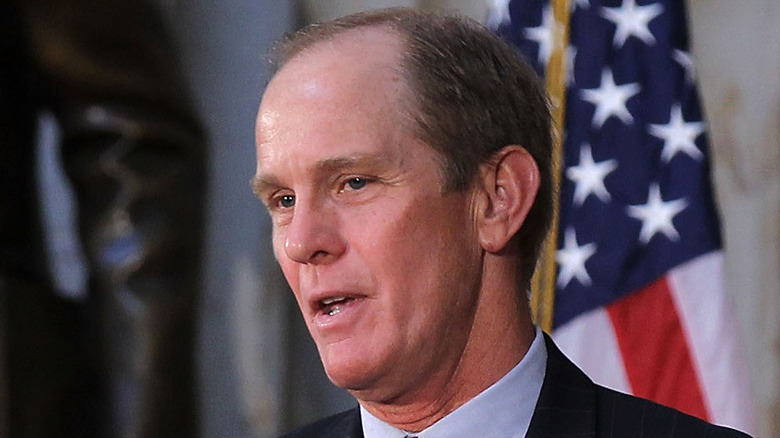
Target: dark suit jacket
570 405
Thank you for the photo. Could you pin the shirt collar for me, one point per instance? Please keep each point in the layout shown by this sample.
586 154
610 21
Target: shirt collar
503 410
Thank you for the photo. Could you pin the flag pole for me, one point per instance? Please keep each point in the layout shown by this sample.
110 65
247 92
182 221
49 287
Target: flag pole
543 282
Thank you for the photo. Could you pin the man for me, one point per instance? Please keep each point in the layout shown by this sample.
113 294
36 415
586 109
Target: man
121 363
405 162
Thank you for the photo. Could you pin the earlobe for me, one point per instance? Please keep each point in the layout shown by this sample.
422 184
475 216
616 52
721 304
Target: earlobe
509 183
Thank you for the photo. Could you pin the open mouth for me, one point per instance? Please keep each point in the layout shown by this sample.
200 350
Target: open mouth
333 305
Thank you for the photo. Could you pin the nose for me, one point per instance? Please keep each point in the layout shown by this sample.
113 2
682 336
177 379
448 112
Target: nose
313 235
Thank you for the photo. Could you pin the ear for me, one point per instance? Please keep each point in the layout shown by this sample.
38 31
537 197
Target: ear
509 183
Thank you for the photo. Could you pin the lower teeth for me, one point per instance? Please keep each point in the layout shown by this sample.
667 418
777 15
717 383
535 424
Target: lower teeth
334 311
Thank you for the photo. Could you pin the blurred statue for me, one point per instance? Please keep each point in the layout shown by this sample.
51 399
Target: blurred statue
121 362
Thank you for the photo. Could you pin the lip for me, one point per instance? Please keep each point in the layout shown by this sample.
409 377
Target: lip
337 313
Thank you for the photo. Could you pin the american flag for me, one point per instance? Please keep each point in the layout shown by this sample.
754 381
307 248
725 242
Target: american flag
639 299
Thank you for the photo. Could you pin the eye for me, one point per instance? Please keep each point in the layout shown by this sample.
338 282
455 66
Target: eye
357 183
356 188
287 201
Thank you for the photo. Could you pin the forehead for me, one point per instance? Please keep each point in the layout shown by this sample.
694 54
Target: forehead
347 88
357 70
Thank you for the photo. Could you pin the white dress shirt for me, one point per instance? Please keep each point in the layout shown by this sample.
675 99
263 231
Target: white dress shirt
503 410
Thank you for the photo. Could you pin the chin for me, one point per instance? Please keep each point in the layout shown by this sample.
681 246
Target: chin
349 376
350 372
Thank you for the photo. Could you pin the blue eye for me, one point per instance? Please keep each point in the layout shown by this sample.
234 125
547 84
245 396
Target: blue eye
287 201
357 183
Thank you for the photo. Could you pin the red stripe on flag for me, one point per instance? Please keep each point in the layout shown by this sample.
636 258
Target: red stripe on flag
655 350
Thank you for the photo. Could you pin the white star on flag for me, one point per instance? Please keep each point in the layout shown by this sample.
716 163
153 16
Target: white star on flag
610 99
632 20
571 57
498 13
588 176
684 59
571 259
657 215
678 135
545 34
584 4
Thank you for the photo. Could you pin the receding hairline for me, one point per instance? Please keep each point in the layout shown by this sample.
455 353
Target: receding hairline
372 66
294 45
362 36
393 19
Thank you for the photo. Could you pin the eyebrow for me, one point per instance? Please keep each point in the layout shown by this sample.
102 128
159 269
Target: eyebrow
263 182
332 165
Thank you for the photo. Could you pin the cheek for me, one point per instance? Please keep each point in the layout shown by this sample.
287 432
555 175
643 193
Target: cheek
419 250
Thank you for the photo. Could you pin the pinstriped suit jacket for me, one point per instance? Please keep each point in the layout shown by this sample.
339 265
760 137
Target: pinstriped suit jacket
570 405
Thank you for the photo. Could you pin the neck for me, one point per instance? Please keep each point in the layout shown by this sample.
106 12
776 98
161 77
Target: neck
501 334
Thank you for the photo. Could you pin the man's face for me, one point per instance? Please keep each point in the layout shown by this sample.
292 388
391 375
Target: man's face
384 266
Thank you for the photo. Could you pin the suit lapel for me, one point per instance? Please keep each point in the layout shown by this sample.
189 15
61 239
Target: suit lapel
347 426
567 402
342 425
